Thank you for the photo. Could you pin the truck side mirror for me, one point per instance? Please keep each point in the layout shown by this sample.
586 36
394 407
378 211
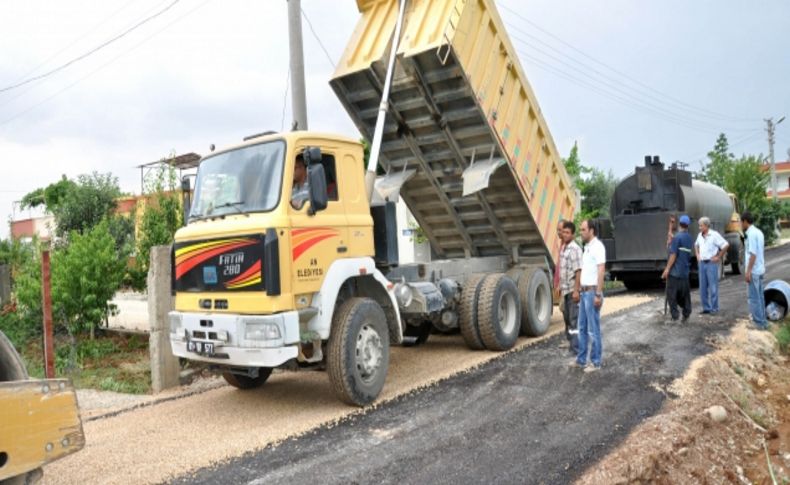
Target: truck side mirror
317 184
186 199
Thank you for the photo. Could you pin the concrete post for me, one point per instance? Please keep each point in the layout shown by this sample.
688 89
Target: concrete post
164 366
5 284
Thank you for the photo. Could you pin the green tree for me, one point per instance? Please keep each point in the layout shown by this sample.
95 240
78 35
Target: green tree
597 191
595 186
718 170
77 205
573 164
85 276
160 221
746 179
92 199
27 288
50 196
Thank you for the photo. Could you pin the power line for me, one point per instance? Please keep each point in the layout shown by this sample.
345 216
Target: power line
624 97
310 24
629 103
102 66
32 86
92 51
740 141
285 98
612 83
70 44
626 76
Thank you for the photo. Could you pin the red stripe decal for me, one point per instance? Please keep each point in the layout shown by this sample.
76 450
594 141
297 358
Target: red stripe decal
253 270
300 249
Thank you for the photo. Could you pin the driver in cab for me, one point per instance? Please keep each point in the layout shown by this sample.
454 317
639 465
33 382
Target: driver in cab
300 193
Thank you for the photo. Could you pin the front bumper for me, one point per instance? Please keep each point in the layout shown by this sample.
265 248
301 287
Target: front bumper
228 334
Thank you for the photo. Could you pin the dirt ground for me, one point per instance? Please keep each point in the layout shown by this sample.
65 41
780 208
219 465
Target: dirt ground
159 440
683 444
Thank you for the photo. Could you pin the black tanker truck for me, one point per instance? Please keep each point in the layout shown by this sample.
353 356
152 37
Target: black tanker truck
644 209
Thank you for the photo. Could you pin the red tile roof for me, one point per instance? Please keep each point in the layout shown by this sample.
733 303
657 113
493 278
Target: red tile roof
782 166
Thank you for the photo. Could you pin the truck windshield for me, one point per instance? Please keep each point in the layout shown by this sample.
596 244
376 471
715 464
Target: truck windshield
243 180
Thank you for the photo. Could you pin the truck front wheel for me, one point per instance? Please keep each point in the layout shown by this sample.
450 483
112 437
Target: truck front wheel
246 382
358 351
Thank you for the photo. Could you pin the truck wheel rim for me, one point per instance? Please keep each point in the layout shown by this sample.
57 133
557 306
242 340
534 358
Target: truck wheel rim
507 313
369 352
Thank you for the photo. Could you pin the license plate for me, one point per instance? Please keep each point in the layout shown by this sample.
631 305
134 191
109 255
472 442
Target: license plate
200 347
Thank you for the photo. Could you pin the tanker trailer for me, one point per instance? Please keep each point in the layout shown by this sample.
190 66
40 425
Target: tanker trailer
643 210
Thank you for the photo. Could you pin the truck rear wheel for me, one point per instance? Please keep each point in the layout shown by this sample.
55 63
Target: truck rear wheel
499 312
467 319
536 306
358 351
246 382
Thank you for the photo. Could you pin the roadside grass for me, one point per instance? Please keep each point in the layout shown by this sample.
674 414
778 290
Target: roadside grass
112 362
785 233
782 334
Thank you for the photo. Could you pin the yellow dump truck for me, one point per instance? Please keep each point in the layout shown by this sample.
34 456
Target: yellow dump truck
39 420
280 266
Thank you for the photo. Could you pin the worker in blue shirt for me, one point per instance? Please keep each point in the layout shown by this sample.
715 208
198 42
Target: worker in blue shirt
677 271
754 262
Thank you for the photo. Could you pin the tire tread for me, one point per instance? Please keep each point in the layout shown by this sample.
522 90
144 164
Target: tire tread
467 320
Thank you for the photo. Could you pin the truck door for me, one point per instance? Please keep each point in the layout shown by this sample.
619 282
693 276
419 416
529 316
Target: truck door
318 240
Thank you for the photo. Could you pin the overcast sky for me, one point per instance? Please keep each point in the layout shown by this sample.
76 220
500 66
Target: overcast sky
624 78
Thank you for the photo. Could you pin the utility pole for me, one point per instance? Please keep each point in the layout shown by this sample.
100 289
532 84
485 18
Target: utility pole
298 93
771 129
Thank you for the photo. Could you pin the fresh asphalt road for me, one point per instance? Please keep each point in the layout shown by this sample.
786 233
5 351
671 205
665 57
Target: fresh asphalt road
524 418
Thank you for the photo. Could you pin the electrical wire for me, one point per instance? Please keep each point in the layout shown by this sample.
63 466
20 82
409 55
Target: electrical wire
620 73
90 52
629 103
740 141
102 66
285 99
613 84
310 24
71 44
33 85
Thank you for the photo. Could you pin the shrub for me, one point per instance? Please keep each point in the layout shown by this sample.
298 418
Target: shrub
85 276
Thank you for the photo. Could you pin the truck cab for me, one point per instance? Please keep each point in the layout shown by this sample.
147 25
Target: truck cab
268 255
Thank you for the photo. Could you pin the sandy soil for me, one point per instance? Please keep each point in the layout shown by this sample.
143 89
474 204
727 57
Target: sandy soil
152 443
682 444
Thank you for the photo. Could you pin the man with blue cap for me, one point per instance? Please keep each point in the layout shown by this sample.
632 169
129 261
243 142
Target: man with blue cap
677 271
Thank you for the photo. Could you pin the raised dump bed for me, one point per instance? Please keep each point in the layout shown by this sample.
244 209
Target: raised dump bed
459 98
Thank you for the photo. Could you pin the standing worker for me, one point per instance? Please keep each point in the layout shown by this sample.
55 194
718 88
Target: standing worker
556 286
593 268
755 269
710 248
677 271
570 270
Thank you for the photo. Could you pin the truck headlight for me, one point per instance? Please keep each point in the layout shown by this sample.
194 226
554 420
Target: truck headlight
403 294
262 331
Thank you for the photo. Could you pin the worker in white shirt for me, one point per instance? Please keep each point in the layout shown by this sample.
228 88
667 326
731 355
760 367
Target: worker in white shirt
710 248
589 325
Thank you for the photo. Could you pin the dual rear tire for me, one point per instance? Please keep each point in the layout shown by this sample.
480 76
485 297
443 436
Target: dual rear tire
496 308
